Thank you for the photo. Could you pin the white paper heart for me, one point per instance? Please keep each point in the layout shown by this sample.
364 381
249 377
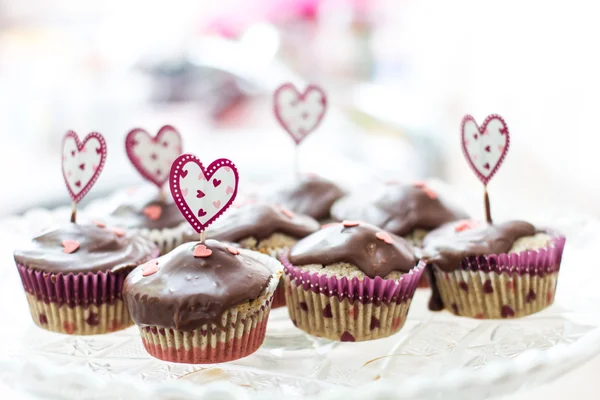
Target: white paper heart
153 156
299 113
82 162
485 147
202 195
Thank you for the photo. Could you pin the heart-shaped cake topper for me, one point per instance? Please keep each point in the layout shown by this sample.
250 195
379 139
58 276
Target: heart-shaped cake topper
485 147
82 162
202 195
153 156
299 113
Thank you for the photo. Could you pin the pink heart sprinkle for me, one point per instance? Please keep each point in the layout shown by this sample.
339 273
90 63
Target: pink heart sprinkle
419 184
233 250
465 225
217 203
287 213
350 224
99 224
229 190
328 225
385 237
184 192
153 212
70 246
201 251
430 193
119 232
149 268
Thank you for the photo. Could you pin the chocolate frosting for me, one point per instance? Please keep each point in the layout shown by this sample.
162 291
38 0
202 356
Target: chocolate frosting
100 249
260 221
397 208
187 292
446 247
310 195
130 215
356 245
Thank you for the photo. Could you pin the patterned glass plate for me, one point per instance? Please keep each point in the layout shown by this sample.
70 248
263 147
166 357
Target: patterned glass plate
435 355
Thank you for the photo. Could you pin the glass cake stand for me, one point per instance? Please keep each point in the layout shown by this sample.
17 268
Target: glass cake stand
435 356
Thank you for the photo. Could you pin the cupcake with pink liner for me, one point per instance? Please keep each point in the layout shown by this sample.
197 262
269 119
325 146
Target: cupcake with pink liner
265 228
486 270
206 301
350 281
73 274
203 303
150 212
505 270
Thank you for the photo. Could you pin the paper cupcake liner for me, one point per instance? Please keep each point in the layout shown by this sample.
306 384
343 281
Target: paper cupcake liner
167 238
93 302
79 320
239 332
502 286
210 344
348 309
279 296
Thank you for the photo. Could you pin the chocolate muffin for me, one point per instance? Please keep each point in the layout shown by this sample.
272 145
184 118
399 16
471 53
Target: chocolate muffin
203 303
73 276
350 281
503 270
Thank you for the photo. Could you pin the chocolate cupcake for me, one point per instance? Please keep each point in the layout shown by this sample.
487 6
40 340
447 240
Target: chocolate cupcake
203 303
154 217
350 281
73 276
503 270
265 228
309 195
410 211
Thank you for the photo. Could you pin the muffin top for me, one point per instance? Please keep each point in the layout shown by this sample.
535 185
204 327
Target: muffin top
368 248
82 248
448 245
309 195
144 209
193 285
397 208
261 221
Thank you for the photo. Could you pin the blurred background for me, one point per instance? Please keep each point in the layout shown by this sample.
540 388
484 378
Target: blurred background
399 75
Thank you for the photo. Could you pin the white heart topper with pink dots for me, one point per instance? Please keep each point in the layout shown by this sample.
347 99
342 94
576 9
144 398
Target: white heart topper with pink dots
153 156
82 162
485 147
299 113
202 195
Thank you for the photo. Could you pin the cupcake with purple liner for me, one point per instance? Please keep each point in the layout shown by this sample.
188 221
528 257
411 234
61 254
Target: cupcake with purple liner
504 270
265 228
407 210
152 215
350 281
203 303
309 195
73 276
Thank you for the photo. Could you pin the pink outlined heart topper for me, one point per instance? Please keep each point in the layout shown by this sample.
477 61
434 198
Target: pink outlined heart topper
485 147
153 156
82 162
299 113
203 194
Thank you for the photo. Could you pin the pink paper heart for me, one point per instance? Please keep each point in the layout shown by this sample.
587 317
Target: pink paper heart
201 251
78 179
70 246
299 113
480 153
150 156
201 212
153 212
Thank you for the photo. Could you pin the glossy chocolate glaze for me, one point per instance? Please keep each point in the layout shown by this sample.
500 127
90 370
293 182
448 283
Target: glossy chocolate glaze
397 208
446 247
260 221
187 292
309 195
130 214
356 245
100 249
